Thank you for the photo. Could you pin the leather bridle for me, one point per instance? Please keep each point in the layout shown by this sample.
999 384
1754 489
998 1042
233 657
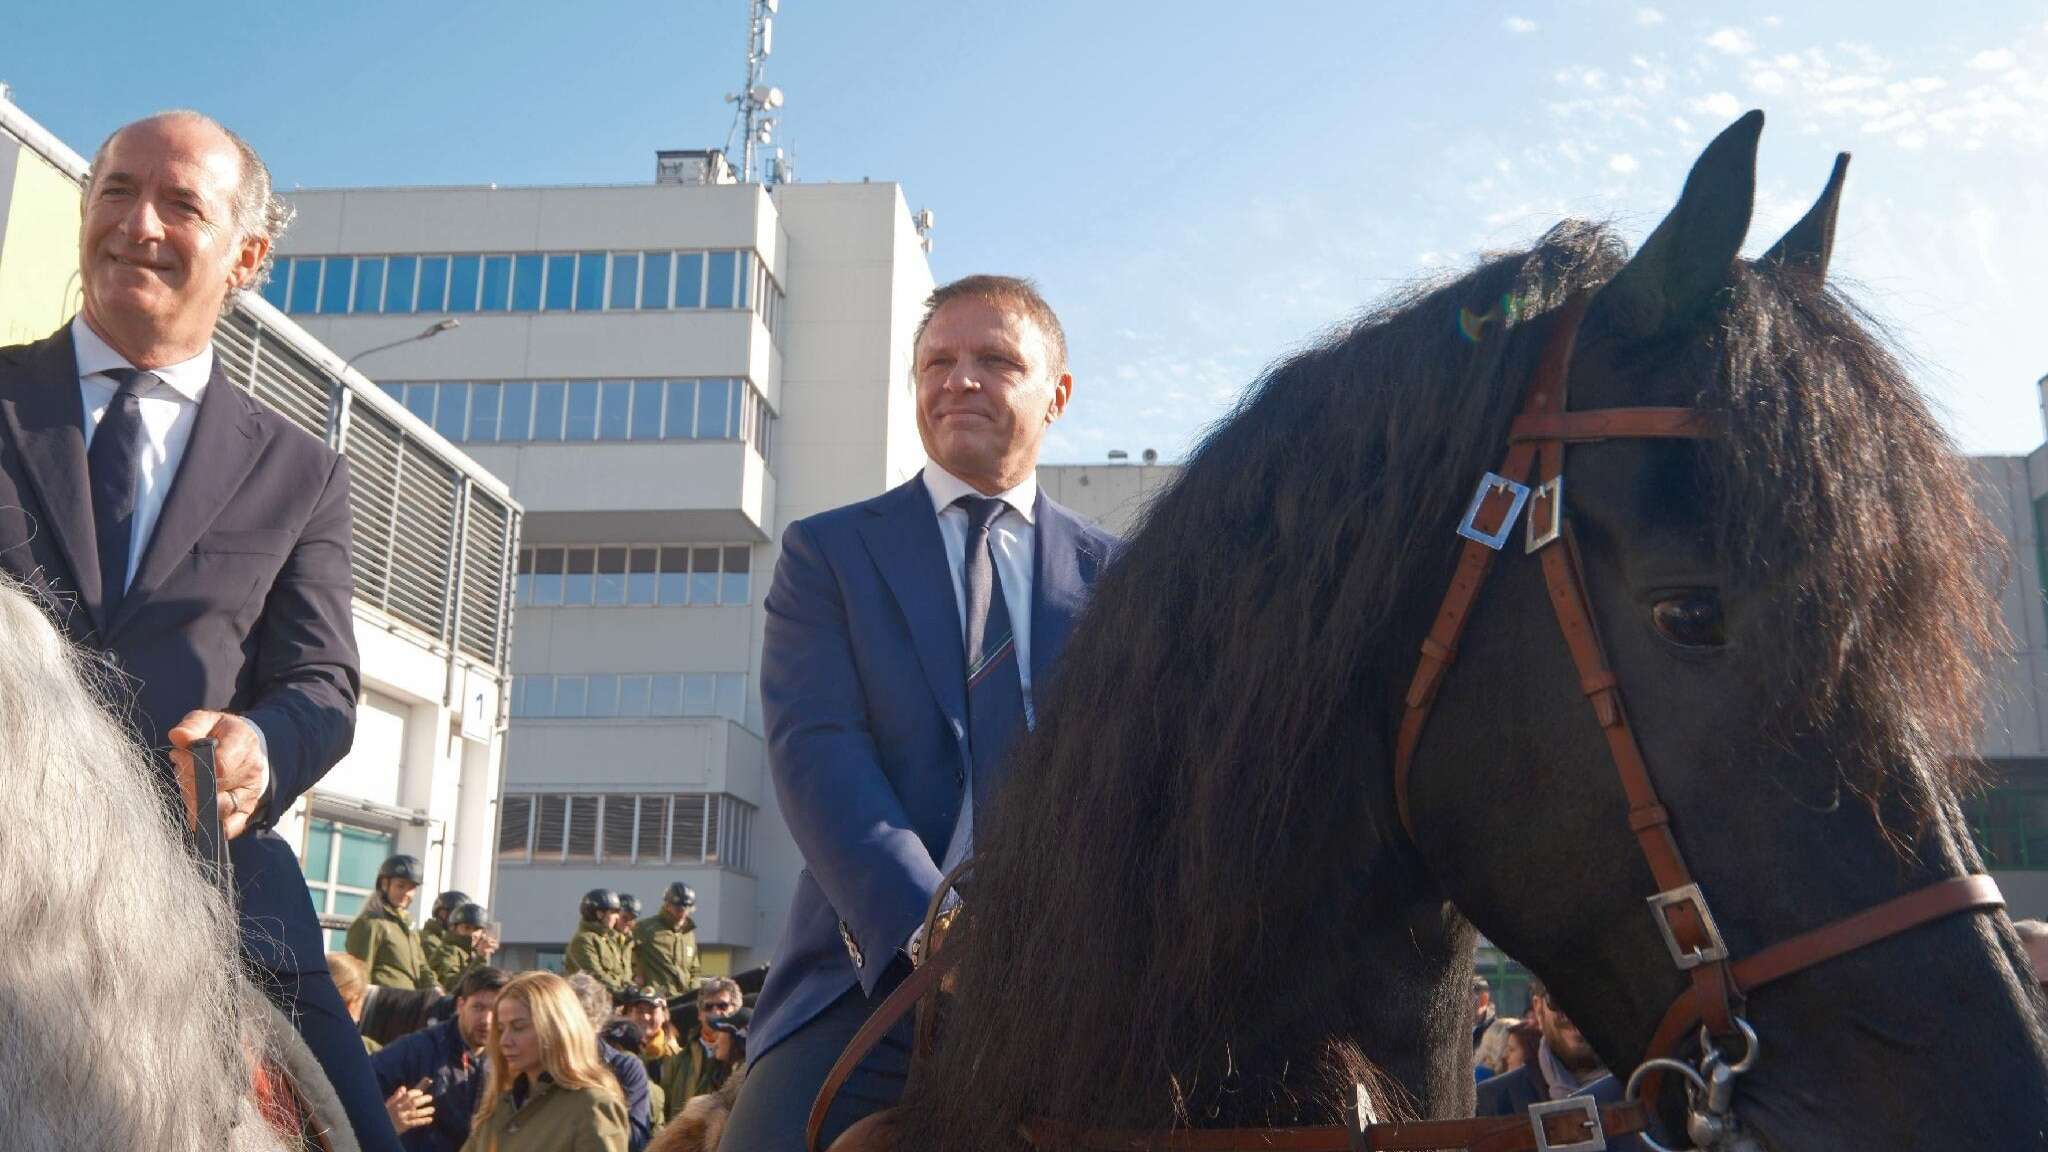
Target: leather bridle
1718 983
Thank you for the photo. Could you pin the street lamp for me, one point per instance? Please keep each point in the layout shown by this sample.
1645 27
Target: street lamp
433 330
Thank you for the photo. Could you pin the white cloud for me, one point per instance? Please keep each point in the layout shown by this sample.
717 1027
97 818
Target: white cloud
1767 81
1682 124
1773 21
1622 162
1649 17
1520 25
1733 41
1719 104
1993 60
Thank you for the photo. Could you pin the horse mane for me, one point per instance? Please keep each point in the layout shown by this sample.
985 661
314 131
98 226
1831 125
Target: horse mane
1168 894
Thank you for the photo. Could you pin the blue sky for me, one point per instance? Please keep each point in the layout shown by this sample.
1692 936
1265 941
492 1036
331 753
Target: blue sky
1199 186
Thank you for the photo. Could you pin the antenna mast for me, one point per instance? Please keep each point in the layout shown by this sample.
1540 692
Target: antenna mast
758 99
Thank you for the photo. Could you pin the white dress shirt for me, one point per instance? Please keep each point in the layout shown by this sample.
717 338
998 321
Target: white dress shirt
169 410
1013 544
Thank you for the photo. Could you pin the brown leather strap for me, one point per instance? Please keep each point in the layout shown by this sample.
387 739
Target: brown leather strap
1317 1138
1613 424
1477 1134
893 1008
1503 1133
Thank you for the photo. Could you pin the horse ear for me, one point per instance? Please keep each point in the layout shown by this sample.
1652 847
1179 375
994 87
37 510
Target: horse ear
1811 241
1688 258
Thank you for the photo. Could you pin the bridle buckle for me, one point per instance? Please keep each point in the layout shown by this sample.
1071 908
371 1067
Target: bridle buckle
1492 482
1715 950
1546 514
1588 1112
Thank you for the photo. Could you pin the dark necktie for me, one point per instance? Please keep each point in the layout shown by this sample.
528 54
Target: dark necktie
115 465
995 687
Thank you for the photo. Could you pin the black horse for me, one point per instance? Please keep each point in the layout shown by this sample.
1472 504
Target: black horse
1194 905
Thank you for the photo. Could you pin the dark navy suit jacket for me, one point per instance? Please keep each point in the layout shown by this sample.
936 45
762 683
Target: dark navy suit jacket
863 690
240 604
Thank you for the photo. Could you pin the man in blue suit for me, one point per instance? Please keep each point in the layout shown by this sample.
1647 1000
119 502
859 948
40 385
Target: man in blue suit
905 637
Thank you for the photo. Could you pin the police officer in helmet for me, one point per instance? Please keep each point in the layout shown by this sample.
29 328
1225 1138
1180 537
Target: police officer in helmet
665 960
591 949
382 935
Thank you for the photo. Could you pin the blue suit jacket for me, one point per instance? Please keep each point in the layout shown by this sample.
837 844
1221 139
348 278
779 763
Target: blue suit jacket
241 602
863 690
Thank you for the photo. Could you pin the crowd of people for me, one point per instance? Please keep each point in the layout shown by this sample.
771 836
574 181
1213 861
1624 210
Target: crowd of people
632 1043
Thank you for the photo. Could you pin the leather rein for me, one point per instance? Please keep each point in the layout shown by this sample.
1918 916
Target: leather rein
1718 983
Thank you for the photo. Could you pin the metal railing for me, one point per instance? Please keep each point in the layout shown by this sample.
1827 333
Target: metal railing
435 535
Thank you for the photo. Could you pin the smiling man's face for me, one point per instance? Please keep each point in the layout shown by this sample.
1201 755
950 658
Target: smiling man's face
161 247
986 392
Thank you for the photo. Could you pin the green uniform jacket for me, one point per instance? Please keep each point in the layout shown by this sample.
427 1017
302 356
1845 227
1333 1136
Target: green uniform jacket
448 955
554 1120
389 947
665 956
591 950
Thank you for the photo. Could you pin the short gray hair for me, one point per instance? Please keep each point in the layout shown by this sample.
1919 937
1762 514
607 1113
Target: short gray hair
594 996
258 210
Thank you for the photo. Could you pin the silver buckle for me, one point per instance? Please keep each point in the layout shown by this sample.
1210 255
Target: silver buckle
1588 1111
1489 484
1716 949
1551 526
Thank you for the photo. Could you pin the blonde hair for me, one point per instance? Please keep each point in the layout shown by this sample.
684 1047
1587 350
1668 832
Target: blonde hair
567 1038
351 979
103 905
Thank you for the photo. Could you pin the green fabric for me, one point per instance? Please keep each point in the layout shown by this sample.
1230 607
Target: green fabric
593 950
389 947
665 959
555 1119
448 954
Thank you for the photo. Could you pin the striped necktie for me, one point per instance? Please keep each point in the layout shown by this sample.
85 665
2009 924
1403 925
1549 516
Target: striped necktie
995 688
114 464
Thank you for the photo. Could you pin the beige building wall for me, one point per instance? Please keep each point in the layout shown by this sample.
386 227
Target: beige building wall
39 222
1112 495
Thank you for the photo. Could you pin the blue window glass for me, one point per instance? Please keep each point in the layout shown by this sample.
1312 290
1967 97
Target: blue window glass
581 423
703 579
682 410
732 696
395 391
483 413
463 272
419 400
732 587
540 695
700 693
625 281
590 272
561 291
305 284
603 701
617 397
712 409
633 698
611 575
744 279
451 413
666 696
547 576
569 694
433 284
517 421
582 578
654 269
689 279
334 285
398 283
647 410
497 283
277 289
547 410
526 283
641 574
719 282
369 284
673 581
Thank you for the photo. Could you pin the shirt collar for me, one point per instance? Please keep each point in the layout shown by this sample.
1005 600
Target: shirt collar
946 488
187 378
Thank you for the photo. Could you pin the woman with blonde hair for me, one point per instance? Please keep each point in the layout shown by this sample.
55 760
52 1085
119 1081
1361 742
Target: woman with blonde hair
548 1091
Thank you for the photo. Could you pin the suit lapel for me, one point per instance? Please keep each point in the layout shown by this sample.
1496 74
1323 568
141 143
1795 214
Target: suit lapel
46 421
226 440
1067 563
903 537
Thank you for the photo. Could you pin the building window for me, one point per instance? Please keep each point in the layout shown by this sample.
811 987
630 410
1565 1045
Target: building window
654 829
635 574
341 862
630 695
549 411
2011 827
730 279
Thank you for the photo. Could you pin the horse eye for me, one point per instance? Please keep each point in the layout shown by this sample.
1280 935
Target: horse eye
1692 620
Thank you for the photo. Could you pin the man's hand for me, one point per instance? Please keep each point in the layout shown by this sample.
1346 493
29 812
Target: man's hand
241 771
409 1108
486 945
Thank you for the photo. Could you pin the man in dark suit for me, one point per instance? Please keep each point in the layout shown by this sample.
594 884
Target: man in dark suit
905 637
197 543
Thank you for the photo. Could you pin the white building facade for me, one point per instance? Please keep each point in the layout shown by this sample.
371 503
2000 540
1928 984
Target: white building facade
435 540
665 375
